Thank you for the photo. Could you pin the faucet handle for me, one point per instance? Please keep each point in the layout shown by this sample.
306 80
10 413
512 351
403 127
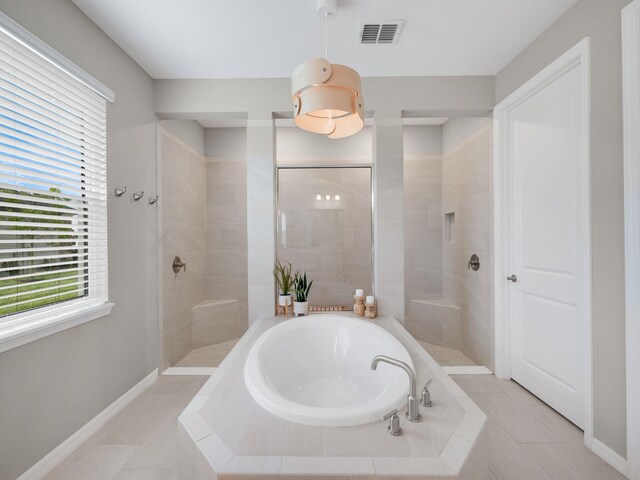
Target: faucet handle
394 423
390 414
425 396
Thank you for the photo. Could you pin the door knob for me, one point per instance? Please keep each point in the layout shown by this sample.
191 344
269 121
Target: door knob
513 278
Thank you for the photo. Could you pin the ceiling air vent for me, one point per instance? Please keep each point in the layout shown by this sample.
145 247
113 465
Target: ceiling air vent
380 32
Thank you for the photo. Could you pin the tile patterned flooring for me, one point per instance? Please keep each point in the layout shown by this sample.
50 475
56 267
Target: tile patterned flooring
529 441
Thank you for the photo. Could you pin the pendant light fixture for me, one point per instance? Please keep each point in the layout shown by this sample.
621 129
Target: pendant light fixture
327 99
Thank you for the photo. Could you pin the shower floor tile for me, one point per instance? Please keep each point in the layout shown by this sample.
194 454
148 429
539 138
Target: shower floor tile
211 356
447 357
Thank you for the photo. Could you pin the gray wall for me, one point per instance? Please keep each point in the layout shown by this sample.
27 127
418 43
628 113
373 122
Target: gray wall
423 96
189 131
52 387
422 139
456 130
294 145
225 142
601 21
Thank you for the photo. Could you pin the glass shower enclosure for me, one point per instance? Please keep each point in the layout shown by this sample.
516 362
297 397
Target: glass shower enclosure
324 228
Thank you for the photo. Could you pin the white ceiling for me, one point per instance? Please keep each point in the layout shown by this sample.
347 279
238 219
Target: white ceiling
260 38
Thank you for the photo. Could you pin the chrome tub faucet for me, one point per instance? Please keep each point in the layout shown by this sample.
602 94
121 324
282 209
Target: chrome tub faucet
413 402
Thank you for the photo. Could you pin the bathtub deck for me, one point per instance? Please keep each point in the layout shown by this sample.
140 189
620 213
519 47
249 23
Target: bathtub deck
224 433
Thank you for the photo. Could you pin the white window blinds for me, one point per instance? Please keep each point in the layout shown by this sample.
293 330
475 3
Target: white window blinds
53 211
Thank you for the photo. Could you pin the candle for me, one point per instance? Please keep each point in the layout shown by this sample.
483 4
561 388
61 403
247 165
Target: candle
359 292
370 299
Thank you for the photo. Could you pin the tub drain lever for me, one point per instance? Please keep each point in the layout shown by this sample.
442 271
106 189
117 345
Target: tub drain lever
394 423
425 396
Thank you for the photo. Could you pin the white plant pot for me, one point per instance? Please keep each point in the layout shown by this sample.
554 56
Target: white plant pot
300 308
284 300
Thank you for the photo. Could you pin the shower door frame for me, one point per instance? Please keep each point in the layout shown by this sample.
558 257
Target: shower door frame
276 221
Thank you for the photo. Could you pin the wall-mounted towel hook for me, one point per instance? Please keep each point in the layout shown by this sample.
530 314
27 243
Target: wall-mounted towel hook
138 196
120 191
153 200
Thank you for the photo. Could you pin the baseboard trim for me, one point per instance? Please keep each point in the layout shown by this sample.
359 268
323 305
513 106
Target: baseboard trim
62 451
614 459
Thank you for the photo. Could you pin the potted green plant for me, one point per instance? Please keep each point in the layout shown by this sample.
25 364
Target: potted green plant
285 282
301 288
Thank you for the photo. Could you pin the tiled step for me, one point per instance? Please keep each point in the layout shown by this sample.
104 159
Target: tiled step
435 321
215 321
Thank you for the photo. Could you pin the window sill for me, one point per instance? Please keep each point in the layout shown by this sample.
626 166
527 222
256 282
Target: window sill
43 325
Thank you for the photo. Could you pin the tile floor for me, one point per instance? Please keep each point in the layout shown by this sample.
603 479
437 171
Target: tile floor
529 441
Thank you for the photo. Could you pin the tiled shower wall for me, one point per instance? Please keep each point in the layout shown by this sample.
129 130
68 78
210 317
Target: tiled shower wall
182 175
422 213
448 171
226 273
466 192
226 225
328 239
423 226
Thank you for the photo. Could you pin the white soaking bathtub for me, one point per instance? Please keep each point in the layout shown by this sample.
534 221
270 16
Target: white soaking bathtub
316 370
225 433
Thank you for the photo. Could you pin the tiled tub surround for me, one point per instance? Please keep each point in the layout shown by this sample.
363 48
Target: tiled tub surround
223 433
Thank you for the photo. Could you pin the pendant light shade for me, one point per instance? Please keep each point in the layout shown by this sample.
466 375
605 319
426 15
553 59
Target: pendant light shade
327 98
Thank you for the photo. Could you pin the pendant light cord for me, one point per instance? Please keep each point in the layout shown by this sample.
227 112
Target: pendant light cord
326 35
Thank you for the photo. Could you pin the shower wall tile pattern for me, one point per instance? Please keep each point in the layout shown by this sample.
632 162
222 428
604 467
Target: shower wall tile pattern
423 227
329 239
183 234
226 233
467 187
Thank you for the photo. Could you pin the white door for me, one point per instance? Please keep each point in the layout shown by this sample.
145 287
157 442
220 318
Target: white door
547 245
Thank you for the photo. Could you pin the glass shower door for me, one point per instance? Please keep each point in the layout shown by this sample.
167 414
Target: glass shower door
324 229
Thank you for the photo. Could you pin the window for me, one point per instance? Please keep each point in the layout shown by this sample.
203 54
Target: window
53 202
